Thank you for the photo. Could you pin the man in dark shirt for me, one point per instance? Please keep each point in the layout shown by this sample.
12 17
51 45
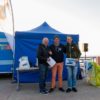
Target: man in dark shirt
43 55
58 56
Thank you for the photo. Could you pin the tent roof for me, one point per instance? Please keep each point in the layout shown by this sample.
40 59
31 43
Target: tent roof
45 28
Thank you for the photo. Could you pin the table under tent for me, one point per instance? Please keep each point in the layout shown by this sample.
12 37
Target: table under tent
26 44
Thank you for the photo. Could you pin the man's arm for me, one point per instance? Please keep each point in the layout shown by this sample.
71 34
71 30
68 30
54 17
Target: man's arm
39 54
64 48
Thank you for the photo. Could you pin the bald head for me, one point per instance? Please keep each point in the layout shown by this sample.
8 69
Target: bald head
45 41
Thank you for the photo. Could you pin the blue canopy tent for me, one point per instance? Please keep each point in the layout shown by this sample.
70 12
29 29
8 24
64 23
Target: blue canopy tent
26 44
6 55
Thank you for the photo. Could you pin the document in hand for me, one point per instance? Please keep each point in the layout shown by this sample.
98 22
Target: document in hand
51 62
70 62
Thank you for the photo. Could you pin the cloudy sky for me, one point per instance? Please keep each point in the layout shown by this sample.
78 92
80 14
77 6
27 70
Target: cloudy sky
69 16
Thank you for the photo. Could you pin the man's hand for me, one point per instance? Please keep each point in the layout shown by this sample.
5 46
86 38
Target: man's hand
50 52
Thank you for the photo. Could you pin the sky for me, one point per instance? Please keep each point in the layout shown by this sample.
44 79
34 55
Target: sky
68 16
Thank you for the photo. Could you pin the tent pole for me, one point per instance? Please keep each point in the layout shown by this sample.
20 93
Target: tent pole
13 30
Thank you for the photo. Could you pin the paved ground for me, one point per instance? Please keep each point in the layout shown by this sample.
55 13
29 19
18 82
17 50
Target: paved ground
30 92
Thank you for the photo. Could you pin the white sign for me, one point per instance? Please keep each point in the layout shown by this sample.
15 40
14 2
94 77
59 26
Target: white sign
24 63
70 62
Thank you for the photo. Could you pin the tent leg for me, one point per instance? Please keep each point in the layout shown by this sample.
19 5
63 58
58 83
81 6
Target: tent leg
18 82
13 80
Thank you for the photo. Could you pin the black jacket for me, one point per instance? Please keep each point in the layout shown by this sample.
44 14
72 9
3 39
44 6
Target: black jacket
72 50
42 54
57 52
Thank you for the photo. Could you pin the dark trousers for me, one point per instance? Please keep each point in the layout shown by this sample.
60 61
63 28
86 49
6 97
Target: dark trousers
43 70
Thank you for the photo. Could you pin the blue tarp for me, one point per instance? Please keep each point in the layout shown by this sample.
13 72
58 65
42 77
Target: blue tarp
26 44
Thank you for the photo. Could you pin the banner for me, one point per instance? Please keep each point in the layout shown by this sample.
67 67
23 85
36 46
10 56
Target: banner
7 21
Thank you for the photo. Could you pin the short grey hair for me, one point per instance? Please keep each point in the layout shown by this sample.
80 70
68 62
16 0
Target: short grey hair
45 39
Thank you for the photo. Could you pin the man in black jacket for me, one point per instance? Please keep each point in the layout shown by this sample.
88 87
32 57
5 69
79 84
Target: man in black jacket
57 54
72 51
43 55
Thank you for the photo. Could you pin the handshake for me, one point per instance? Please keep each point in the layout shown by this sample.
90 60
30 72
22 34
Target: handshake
50 52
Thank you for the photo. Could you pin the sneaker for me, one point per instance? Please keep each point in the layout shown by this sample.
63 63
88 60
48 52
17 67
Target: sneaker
51 90
61 89
44 92
68 90
74 89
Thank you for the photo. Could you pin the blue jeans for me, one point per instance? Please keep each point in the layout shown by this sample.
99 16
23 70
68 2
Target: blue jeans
72 73
43 70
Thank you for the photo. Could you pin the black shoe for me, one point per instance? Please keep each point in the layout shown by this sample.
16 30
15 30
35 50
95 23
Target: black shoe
51 90
68 90
43 92
74 89
61 89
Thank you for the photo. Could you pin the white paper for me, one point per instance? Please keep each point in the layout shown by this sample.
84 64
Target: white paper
36 64
51 62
